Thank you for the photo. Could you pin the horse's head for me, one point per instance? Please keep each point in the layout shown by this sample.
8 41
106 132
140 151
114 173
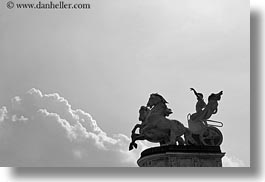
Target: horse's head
155 99
143 113
216 97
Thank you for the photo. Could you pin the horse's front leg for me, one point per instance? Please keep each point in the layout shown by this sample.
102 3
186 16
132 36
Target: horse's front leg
135 128
134 138
133 132
133 144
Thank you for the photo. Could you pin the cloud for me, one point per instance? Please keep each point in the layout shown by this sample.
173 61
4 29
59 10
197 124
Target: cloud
3 114
43 130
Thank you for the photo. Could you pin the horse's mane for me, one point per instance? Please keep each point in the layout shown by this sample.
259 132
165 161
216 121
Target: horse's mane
143 108
162 98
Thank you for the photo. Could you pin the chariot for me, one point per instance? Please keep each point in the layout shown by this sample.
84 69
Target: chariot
205 131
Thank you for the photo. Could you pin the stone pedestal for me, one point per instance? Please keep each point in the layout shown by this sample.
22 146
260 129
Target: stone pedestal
181 156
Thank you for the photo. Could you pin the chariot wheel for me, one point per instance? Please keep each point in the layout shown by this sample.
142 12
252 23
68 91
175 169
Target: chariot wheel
211 136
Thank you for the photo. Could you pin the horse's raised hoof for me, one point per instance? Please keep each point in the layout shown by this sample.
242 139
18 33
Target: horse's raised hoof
131 146
135 145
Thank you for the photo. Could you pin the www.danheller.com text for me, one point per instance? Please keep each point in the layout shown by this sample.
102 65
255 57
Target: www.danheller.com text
48 5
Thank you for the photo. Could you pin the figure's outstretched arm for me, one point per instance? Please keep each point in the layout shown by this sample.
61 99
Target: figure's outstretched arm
192 89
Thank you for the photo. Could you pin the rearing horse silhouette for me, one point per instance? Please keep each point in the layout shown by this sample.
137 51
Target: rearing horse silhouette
155 127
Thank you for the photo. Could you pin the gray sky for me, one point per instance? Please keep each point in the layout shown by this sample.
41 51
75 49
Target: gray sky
107 60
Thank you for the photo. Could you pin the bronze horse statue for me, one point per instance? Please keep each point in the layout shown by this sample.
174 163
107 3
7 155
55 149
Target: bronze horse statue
155 127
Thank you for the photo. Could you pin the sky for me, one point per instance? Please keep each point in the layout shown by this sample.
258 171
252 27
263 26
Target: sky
101 64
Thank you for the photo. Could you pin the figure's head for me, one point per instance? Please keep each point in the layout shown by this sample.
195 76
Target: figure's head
154 99
200 95
216 97
143 113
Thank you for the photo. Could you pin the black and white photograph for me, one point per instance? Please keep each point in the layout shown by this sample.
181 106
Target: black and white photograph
125 83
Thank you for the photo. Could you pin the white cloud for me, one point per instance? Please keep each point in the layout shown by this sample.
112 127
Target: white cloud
3 113
43 130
